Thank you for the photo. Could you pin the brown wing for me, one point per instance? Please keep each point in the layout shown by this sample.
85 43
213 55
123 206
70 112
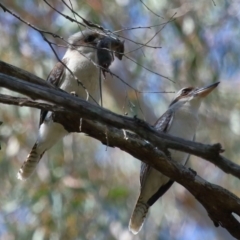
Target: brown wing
164 122
162 125
54 78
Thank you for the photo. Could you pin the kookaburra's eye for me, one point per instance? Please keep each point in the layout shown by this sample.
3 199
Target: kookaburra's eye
90 38
186 91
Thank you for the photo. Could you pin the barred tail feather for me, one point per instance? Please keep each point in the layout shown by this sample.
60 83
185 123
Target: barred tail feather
30 164
138 217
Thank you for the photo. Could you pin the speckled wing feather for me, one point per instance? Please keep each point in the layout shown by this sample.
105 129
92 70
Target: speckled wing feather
164 122
54 78
162 125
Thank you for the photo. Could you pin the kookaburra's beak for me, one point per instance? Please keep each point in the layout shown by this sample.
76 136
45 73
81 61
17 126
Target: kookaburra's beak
107 48
204 91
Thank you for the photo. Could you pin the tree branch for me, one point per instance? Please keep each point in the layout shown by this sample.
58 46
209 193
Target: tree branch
40 90
218 202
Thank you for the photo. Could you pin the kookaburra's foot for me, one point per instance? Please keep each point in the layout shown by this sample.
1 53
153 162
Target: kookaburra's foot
74 94
193 171
141 122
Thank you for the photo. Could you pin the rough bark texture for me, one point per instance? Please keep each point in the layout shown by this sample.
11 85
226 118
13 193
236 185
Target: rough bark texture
111 130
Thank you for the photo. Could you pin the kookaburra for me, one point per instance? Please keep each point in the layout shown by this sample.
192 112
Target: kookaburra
180 120
80 58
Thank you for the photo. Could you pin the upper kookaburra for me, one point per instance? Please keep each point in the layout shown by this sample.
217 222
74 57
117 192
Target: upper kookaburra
180 120
80 57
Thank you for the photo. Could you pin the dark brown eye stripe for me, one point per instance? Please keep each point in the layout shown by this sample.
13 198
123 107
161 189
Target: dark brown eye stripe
91 37
182 93
185 91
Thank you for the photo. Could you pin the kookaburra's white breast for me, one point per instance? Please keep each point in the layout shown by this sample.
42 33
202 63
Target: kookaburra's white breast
86 72
184 125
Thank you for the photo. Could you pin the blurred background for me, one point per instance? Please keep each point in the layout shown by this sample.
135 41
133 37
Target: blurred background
83 190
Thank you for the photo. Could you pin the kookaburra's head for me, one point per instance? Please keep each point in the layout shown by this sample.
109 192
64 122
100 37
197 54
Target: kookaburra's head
192 97
87 41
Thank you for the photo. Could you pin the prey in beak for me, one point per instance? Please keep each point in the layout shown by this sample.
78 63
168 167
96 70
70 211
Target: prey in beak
107 47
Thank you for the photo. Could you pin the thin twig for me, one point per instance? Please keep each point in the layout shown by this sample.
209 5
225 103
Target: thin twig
171 19
74 15
138 43
158 74
64 15
87 22
150 9
29 24
157 92
139 27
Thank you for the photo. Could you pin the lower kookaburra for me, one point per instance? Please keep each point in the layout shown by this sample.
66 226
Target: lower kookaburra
180 120
80 58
